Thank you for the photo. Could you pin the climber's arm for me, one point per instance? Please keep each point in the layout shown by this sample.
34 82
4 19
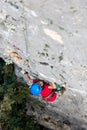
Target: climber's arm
52 86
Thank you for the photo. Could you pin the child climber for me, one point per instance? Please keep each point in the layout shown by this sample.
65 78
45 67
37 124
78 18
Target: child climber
49 92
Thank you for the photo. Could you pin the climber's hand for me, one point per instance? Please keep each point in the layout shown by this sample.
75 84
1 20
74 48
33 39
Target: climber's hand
52 86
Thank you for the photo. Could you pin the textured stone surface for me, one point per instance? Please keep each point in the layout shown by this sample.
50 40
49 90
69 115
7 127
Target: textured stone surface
46 117
51 38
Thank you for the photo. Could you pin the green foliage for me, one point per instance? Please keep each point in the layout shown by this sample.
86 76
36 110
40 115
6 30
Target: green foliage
13 98
1 70
51 21
61 28
46 47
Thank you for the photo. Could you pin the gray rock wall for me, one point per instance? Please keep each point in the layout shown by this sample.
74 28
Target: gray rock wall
51 38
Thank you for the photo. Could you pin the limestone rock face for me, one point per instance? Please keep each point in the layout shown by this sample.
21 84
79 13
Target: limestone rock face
50 36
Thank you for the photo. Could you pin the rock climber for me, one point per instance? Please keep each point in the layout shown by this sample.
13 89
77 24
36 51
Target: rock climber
49 92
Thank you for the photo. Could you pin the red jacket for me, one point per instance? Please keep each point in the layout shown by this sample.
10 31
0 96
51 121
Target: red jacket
46 92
